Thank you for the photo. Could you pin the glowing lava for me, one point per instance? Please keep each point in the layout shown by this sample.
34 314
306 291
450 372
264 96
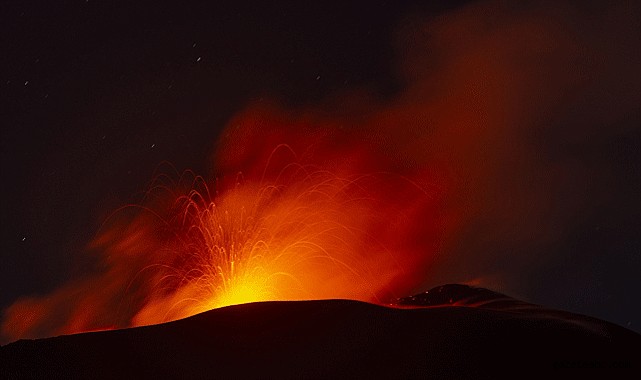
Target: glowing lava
305 235
289 226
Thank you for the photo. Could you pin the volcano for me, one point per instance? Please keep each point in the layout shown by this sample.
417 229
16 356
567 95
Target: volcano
452 331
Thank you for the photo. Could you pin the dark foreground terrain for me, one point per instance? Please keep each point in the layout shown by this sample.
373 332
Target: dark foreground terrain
450 332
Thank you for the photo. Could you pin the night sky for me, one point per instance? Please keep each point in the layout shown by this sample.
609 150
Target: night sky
96 94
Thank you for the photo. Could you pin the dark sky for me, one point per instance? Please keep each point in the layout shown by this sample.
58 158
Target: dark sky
95 94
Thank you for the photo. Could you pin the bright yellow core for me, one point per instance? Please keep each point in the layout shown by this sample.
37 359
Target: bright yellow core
242 293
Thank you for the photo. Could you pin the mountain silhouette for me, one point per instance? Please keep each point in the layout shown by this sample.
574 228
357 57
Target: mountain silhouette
452 331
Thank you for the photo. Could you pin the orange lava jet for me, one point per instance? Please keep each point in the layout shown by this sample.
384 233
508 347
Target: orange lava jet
305 235
319 224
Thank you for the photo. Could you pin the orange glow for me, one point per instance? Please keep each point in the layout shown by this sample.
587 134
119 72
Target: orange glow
300 213
304 234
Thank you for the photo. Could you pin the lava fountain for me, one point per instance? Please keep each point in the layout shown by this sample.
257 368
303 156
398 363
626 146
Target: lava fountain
300 212
306 234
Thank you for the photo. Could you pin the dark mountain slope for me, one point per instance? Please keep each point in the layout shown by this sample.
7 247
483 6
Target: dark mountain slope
325 339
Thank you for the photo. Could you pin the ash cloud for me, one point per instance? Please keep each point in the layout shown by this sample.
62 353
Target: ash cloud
532 111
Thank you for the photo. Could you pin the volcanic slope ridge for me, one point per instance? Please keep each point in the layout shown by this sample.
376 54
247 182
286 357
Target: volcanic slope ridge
452 331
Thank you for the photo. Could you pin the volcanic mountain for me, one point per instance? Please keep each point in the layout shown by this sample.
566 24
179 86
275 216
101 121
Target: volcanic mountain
452 331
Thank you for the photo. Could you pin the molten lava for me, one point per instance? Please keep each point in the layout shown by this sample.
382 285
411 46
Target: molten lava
310 219
305 235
